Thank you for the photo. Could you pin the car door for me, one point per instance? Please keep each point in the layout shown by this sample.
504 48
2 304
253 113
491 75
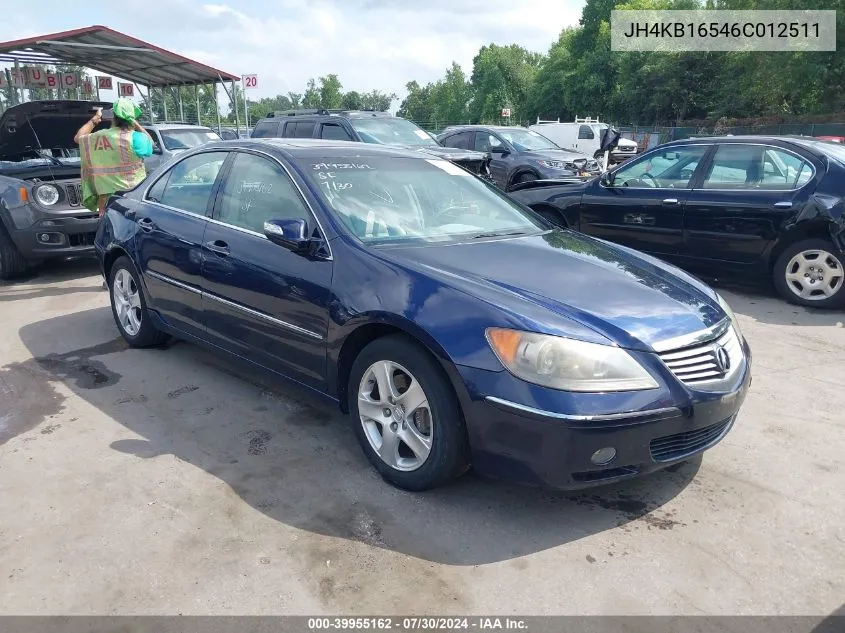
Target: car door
586 141
262 301
496 146
642 203
172 220
746 192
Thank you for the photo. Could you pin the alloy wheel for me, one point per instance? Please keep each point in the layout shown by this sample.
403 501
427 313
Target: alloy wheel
127 302
815 275
395 415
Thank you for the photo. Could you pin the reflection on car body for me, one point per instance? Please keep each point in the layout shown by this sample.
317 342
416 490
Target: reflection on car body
454 326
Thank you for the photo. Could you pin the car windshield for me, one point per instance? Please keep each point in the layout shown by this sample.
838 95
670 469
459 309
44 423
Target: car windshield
527 140
186 139
387 199
391 130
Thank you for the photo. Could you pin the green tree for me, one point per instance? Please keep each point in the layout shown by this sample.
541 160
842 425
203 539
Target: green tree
331 94
311 98
501 78
352 101
377 100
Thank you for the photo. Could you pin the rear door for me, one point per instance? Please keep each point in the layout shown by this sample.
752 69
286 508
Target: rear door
264 302
172 222
644 206
500 166
745 194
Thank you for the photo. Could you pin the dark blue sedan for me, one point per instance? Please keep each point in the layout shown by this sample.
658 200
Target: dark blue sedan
456 327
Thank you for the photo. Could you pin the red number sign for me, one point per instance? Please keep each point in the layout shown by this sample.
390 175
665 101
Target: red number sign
125 90
250 81
104 83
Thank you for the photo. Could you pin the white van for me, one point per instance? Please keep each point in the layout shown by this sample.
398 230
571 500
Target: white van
584 135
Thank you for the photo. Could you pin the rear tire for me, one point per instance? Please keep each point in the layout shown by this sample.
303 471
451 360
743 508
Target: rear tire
811 273
12 263
419 406
129 307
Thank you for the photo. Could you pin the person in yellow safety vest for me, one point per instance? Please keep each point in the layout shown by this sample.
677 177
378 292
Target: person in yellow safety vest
112 159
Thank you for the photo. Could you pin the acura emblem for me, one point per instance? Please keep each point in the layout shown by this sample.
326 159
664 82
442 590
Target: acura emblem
723 361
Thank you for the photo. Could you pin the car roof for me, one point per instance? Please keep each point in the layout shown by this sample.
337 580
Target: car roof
177 126
806 142
313 147
464 128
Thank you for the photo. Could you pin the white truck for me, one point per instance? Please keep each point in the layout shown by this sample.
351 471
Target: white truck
584 135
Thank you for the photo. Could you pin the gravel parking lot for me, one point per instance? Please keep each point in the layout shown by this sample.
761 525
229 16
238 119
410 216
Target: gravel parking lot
170 481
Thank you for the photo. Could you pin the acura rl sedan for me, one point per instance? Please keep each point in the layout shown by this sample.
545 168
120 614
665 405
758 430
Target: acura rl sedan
457 328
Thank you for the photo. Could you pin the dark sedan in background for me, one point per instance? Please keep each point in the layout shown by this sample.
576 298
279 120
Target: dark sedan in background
731 206
519 155
408 291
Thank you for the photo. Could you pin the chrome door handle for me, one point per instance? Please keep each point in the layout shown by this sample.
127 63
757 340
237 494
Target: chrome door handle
146 224
670 201
218 246
783 205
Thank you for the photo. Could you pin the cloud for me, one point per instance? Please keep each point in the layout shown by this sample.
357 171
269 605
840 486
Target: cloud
369 44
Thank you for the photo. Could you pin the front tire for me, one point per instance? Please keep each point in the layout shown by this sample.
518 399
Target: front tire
12 263
811 273
129 307
405 415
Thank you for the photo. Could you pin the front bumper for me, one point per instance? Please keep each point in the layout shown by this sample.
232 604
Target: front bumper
57 236
540 446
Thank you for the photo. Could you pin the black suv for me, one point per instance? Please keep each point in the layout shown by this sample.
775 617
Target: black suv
368 127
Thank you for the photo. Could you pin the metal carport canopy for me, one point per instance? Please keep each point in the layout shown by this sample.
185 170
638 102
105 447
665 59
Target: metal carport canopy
108 51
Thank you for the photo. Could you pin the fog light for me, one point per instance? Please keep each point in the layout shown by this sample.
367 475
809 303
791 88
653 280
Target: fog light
51 238
603 456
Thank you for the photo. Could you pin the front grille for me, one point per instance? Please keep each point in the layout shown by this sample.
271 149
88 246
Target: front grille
73 193
702 363
671 447
82 239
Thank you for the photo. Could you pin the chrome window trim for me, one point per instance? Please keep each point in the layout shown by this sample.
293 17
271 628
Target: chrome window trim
173 282
238 306
603 417
694 338
661 188
770 146
246 150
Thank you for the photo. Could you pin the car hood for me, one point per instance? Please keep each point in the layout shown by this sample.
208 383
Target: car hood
631 299
449 153
43 125
556 154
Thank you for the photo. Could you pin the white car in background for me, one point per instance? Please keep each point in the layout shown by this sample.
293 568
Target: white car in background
584 136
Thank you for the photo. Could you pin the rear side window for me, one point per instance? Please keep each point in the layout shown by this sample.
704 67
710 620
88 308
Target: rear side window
265 129
738 166
461 141
585 131
335 132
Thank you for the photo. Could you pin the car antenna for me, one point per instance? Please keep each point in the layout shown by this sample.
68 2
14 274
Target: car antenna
55 160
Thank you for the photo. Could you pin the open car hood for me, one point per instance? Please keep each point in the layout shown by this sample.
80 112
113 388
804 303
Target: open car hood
43 125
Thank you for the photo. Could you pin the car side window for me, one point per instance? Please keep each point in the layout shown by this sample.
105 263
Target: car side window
485 142
190 182
305 129
334 132
265 129
256 190
747 166
585 131
785 170
672 168
464 140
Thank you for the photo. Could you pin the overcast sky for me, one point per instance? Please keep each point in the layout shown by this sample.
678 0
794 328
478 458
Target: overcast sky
368 43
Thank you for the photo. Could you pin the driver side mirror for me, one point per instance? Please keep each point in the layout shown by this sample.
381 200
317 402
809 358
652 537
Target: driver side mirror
156 148
500 149
606 179
289 234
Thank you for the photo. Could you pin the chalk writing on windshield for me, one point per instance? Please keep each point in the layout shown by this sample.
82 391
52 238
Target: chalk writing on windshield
320 166
334 185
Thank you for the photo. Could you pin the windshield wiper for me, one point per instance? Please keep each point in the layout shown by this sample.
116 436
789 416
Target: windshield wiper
498 234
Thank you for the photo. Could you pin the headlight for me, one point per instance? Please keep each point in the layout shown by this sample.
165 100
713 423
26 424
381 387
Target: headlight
567 364
46 195
730 314
556 164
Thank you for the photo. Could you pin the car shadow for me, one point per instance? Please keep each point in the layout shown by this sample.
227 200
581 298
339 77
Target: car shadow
295 458
763 304
51 272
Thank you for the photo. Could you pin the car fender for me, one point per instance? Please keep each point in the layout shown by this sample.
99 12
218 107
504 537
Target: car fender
822 215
